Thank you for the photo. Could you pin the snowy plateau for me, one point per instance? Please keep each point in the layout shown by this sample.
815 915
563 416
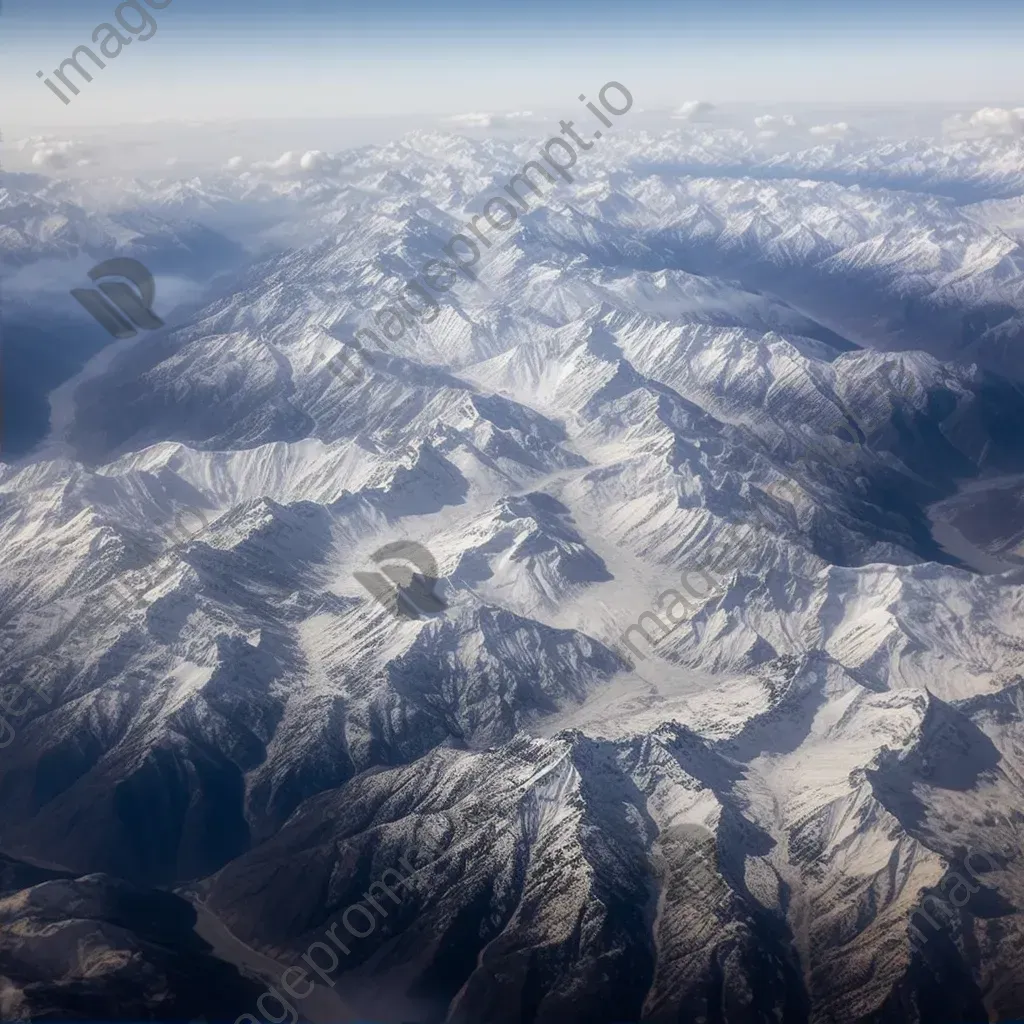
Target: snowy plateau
797 369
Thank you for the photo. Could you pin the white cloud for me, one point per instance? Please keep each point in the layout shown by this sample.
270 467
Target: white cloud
315 160
836 130
288 161
49 159
693 110
998 121
775 123
34 142
788 129
291 163
488 120
988 122
53 154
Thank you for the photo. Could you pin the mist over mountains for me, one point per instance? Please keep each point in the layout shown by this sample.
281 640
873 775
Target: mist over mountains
795 366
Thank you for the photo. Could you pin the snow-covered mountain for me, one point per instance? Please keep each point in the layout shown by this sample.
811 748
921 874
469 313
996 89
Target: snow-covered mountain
632 795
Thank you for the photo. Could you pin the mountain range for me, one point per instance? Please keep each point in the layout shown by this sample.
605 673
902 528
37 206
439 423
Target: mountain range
799 373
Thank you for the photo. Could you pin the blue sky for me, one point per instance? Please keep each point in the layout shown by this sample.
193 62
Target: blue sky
256 58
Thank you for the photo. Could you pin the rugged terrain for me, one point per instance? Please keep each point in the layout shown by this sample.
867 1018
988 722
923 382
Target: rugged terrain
799 375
